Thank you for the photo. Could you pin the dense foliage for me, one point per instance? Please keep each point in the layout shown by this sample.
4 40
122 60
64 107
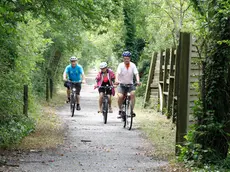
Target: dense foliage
208 142
37 39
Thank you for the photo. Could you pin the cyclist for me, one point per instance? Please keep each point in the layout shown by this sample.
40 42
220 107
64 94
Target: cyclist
74 72
105 77
125 75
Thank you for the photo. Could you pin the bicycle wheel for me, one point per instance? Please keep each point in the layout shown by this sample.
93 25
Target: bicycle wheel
129 116
73 109
73 104
105 109
124 113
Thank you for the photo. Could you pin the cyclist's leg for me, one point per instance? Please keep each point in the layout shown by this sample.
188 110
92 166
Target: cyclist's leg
100 101
78 90
109 93
67 85
132 97
120 94
110 104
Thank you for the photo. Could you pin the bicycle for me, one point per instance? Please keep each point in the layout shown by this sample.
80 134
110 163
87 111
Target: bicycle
73 95
127 108
105 102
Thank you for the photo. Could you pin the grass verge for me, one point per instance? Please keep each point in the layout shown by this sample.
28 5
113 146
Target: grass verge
162 133
49 131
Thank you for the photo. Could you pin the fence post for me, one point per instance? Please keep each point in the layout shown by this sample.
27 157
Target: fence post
165 82
150 78
47 89
171 81
25 99
51 88
161 76
183 89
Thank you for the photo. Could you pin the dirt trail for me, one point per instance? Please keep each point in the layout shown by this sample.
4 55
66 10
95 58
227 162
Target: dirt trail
90 145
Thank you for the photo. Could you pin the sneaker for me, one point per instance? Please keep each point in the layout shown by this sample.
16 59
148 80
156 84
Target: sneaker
110 110
68 100
121 114
78 107
134 115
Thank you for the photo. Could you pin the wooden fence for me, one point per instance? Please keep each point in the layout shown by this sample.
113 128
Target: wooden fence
173 82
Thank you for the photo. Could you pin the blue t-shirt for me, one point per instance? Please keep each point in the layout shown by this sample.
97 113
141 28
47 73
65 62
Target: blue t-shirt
74 74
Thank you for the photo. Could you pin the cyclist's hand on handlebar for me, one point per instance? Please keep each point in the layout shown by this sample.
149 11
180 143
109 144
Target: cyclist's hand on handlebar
83 81
138 83
116 83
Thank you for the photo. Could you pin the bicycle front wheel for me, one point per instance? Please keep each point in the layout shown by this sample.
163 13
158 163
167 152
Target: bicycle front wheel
72 105
105 109
73 109
129 116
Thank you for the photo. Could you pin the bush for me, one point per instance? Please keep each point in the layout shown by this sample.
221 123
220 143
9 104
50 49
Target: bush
13 129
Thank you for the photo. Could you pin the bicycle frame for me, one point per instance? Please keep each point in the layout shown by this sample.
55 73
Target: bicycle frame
127 107
73 96
105 102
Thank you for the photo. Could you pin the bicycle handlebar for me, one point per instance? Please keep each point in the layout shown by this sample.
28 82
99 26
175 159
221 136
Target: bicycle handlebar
106 87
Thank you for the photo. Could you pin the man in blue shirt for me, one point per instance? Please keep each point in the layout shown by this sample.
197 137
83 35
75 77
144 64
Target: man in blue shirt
75 73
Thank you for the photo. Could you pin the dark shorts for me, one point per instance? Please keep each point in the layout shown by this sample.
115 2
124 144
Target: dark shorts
102 90
76 85
123 90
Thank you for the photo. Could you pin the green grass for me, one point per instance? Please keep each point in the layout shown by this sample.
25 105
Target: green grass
160 131
49 131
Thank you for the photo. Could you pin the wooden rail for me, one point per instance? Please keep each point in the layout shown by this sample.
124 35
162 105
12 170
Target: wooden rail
179 73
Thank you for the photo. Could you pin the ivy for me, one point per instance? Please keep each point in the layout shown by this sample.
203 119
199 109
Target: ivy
212 131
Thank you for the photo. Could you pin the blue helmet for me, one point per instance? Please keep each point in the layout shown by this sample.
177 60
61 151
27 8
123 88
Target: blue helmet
126 54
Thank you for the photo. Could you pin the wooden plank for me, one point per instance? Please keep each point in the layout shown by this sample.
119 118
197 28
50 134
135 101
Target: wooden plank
160 54
150 78
167 81
183 91
195 54
165 93
195 73
166 75
171 81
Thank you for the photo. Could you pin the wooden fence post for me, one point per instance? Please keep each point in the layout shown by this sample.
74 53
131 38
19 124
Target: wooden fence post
47 89
165 79
171 82
150 78
161 77
51 88
25 99
183 90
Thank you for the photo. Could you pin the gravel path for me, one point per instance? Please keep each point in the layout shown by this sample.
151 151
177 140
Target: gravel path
90 145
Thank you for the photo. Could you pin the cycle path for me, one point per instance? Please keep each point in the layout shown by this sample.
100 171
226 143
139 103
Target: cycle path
90 145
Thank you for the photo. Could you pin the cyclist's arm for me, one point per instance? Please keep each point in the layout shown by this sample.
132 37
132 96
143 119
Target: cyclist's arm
117 74
83 77
65 74
136 73
137 78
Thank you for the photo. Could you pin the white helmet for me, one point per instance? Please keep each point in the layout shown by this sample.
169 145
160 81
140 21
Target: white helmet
103 65
73 58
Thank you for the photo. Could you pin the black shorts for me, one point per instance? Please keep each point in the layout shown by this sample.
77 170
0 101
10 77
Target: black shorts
76 85
102 90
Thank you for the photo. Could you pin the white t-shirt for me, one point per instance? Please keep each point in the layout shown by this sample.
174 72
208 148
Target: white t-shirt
125 76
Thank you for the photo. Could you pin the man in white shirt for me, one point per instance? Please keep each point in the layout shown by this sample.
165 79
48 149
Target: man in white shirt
125 76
